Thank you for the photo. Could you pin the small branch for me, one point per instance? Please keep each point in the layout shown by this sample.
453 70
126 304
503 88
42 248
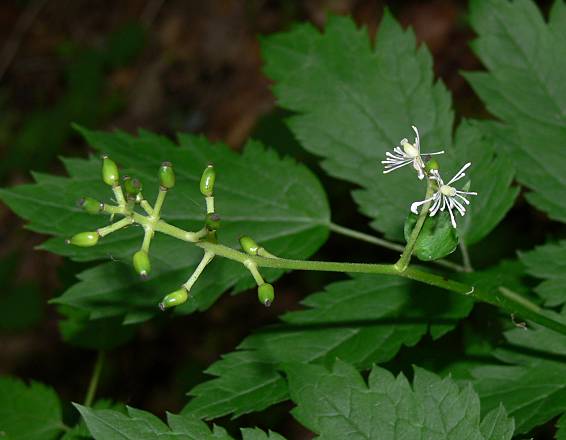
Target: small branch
387 244
94 379
465 257
405 259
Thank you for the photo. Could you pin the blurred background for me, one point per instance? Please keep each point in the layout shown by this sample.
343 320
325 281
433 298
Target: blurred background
166 66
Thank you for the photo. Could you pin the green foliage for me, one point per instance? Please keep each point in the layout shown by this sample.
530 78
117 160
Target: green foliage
338 404
32 412
436 239
523 53
291 222
362 321
548 262
140 425
354 103
531 385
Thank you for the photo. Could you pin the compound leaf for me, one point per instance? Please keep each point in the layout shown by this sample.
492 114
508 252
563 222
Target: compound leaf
338 404
32 412
523 53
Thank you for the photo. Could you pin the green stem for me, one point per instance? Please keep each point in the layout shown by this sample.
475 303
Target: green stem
387 244
147 236
119 196
505 299
403 262
109 209
209 204
94 379
159 202
252 267
465 257
146 207
115 226
207 257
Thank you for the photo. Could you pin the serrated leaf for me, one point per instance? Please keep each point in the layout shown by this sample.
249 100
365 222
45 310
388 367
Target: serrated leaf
338 404
289 217
548 262
141 425
354 103
532 384
29 412
258 434
363 320
523 53
436 239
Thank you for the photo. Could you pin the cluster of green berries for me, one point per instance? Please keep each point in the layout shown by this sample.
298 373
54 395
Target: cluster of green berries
128 194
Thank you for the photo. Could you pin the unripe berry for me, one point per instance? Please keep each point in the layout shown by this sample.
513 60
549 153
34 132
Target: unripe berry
84 239
132 186
141 263
249 246
207 181
266 294
212 221
431 165
90 205
174 299
110 173
166 175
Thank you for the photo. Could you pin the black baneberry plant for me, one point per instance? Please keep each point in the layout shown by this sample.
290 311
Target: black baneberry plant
351 101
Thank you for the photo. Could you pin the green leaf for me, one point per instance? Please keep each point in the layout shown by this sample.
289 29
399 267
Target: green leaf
338 404
106 424
523 53
532 384
29 412
354 103
289 217
436 239
548 262
258 434
363 320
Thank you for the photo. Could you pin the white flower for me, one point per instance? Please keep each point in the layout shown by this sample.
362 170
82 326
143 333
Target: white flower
447 197
411 153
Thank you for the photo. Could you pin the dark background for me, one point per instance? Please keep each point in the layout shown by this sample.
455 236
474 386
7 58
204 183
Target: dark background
168 66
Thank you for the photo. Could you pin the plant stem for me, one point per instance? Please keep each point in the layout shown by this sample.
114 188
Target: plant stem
94 379
403 262
503 298
159 202
466 257
115 226
387 244
207 257
119 195
365 237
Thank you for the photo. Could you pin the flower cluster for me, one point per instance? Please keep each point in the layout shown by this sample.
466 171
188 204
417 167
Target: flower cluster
445 197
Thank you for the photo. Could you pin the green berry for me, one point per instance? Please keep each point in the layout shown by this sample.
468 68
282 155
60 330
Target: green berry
212 221
431 165
132 186
84 239
110 173
207 181
266 294
249 246
141 263
166 175
90 205
174 299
